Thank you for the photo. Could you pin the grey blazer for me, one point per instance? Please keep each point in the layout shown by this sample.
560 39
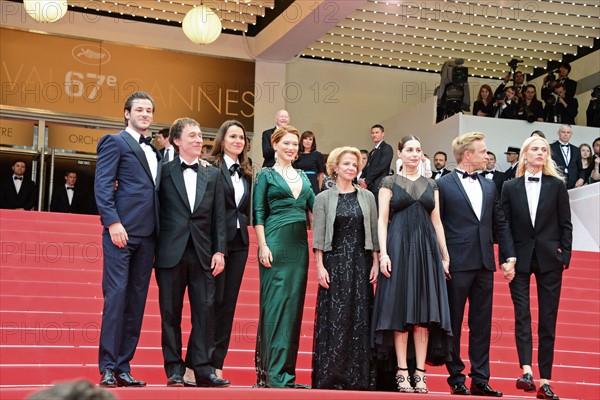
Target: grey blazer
324 217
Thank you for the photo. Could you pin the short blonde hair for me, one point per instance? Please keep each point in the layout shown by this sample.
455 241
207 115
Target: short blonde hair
464 143
549 167
334 158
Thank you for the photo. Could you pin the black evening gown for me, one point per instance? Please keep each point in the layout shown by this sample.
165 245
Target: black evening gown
312 164
415 294
341 349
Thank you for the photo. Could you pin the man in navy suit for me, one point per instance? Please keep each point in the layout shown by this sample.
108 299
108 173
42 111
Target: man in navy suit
568 158
18 192
67 198
470 212
126 187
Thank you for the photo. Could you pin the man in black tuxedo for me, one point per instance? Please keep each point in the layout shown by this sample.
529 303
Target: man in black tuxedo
512 157
129 213
190 253
67 198
281 118
568 158
470 212
491 173
439 161
378 163
536 205
167 150
559 108
18 192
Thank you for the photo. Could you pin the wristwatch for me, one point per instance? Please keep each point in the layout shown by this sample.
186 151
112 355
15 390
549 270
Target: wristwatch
511 259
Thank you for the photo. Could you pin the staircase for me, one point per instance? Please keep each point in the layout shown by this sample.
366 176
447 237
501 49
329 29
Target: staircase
51 303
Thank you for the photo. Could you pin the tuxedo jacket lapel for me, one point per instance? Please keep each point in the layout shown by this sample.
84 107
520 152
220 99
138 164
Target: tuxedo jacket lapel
139 153
464 193
544 194
522 193
200 186
178 181
226 175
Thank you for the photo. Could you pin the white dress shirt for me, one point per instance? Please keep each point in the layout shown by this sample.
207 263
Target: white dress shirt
533 189
190 178
18 182
148 151
474 192
236 179
69 193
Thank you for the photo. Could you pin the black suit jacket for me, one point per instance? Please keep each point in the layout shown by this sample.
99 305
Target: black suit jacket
378 166
574 170
510 173
267 149
60 201
26 198
551 236
444 173
498 179
470 241
162 153
508 112
234 212
205 225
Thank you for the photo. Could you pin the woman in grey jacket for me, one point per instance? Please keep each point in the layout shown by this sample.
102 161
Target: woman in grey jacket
346 246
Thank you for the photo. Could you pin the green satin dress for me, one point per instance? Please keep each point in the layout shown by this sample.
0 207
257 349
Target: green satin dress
283 286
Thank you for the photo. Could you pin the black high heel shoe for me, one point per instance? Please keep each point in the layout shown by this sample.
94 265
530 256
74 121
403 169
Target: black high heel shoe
401 379
417 378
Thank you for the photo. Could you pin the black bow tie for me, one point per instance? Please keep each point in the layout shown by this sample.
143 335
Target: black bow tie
234 168
564 145
18 178
484 173
70 188
194 167
466 175
533 179
145 140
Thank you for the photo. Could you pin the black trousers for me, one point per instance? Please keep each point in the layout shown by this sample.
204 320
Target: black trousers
477 287
548 293
228 285
200 283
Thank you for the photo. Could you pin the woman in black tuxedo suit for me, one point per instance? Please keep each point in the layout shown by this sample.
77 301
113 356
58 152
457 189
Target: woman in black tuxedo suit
230 155
536 205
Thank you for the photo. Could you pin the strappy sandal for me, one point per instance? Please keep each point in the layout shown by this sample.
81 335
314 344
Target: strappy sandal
416 379
400 379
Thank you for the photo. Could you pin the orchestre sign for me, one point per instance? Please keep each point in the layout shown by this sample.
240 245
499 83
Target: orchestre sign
80 76
63 137
16 133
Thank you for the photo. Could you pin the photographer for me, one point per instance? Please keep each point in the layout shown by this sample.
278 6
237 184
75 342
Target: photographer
593 110
530 109
550 81
518 85
595 175
560 109
506 104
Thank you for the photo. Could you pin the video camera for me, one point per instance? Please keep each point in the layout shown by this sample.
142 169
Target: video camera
551 75
514 63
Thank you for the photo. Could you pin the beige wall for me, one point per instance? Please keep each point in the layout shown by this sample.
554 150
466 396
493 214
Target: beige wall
340 102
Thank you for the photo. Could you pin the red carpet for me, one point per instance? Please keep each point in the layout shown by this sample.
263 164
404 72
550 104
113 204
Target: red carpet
51 303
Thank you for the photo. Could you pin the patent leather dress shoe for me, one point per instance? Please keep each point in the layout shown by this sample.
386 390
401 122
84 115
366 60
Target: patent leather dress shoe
460 389
212 380
545 392
526 383
125 379
187 383
483 389
175 380
108 379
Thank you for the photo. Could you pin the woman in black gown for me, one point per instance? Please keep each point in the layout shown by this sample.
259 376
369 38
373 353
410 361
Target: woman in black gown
411 298
345 244
484 105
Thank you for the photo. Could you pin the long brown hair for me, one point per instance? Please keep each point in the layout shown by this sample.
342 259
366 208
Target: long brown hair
219 149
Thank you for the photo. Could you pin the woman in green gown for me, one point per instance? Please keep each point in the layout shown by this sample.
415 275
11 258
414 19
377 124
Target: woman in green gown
281 196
